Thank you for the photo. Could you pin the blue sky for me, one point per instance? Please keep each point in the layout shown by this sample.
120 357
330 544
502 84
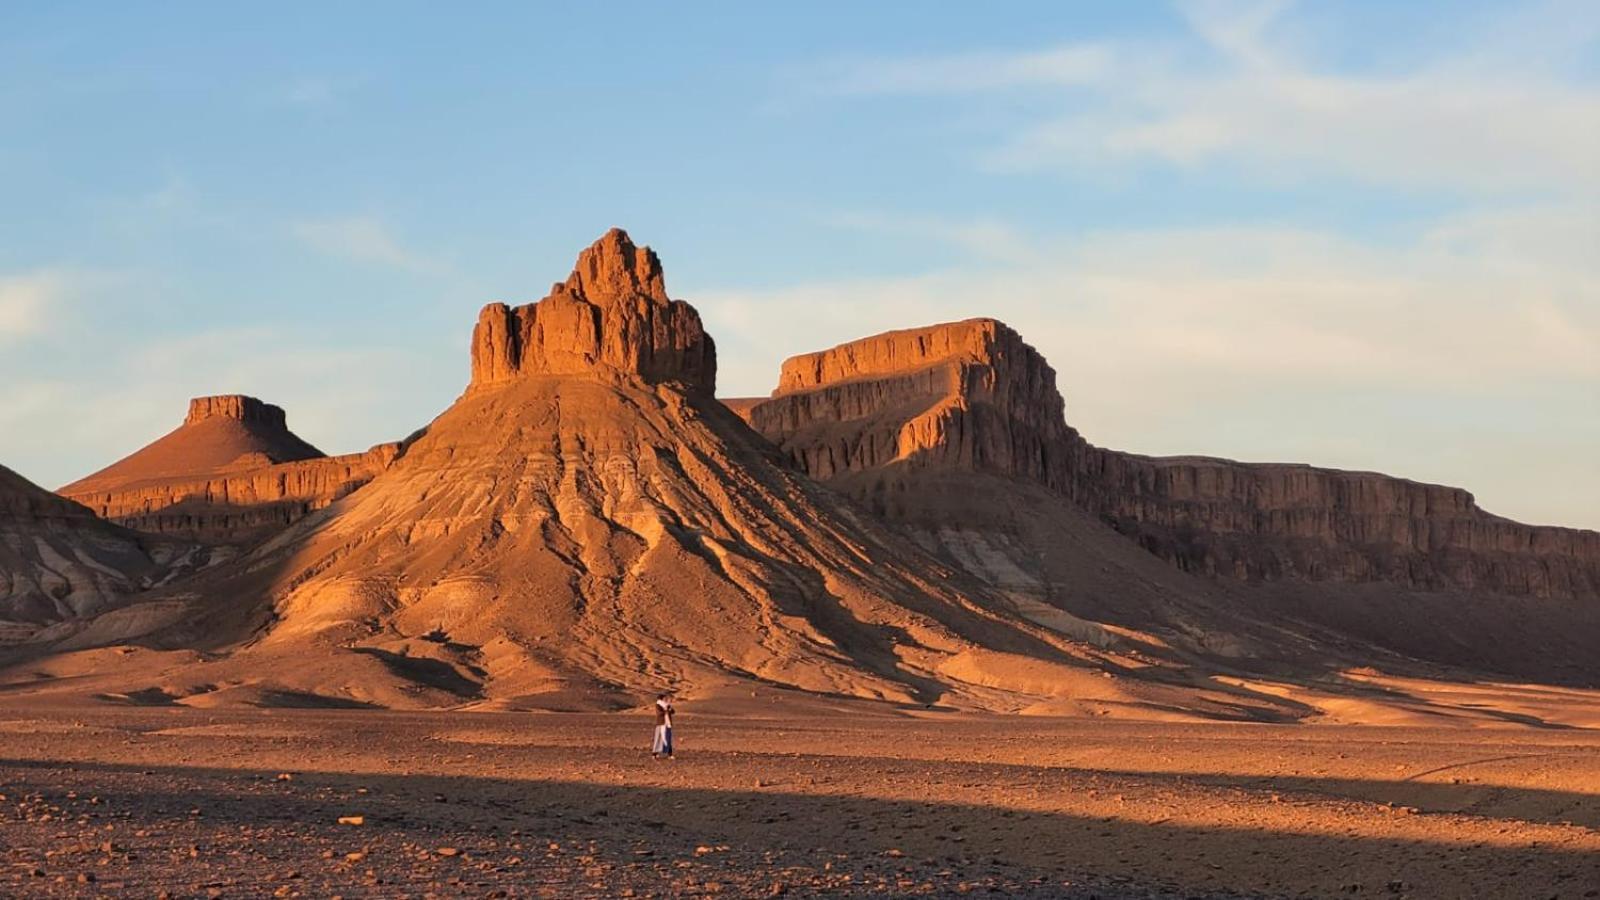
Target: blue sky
1353 234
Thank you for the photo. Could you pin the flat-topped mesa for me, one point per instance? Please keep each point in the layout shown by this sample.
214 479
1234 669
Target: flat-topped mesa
238 407
244 504
610 318
232 473
873 415
968 395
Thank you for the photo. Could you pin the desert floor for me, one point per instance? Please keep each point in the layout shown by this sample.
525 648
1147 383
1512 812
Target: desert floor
775 795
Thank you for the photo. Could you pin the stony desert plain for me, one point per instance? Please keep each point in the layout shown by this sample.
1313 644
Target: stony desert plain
781 795
925 639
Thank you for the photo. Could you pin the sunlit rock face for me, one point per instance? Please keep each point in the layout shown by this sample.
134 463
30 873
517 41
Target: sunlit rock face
974 396
587 523
610 318
232 473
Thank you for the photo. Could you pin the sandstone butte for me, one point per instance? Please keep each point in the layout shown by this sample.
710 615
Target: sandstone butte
910 518
909 421
232 473
587 523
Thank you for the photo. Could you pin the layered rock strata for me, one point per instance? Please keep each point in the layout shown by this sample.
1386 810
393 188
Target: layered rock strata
611 316
238 506
1266 521
57 560
233 472
587 523
974 396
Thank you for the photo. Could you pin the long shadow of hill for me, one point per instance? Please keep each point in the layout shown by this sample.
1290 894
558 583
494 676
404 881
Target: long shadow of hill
635 832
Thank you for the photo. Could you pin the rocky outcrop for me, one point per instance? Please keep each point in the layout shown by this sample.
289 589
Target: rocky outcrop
241 409
973 396
611 318
219 434
232 473
1264 521
240 506
57 560
587 524
968 395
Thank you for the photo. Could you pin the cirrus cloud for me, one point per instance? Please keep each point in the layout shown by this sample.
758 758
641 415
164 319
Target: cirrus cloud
1495 111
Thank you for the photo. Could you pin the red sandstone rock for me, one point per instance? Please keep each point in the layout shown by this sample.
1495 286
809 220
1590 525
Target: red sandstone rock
232 473
239 408
973 396
611 318
967 395
587 523
244 504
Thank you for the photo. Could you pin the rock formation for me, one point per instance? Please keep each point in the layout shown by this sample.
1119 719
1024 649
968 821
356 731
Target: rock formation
973 396
233 472
587 523
1298 522
969 395
952 431
57 561
612 316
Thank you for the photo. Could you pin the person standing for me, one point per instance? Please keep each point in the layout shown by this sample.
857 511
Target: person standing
662 746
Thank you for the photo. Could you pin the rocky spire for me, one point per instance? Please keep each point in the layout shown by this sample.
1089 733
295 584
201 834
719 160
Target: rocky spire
612 268
610 318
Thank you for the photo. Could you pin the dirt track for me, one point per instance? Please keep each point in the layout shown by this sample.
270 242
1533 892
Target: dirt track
848 800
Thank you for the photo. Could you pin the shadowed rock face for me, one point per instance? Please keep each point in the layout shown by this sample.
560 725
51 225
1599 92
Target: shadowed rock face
57 560
1257 521
611 317
233 472
973 396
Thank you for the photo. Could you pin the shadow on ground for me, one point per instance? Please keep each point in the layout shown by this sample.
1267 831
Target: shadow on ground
205 829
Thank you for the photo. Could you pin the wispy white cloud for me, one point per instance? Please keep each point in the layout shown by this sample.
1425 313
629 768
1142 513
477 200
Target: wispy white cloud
1253 341
1516 294
1241 93
363 239
31 303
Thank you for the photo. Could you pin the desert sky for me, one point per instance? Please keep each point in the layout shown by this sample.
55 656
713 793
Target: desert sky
1358 235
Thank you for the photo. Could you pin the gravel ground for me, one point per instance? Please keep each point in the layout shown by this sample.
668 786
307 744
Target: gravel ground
190 803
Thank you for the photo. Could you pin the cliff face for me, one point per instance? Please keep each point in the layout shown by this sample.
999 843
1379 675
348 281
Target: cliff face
240 506
973 396
1301 522
239 408
611 317
968 395
232 473
587 522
